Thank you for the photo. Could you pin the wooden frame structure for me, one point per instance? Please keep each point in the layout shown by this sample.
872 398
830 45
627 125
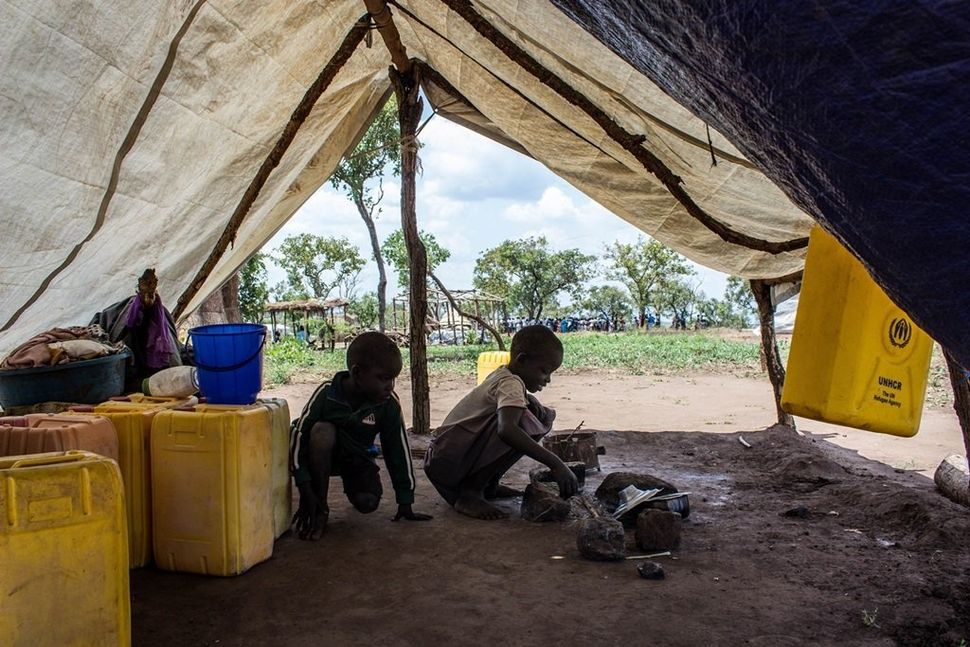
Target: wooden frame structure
301 311
443 315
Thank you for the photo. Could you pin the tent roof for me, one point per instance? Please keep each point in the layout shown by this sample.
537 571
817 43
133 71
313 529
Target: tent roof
142 134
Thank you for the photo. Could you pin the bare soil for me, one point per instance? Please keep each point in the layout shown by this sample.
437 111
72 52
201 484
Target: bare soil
875 556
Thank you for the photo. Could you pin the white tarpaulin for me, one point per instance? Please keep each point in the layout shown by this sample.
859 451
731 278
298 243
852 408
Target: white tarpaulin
130 132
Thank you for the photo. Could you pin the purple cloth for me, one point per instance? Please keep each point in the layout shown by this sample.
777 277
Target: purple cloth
159 344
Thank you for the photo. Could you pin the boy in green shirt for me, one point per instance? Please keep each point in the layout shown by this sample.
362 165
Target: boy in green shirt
338 426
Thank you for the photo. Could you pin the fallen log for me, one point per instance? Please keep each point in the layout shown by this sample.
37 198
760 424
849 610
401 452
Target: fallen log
952 477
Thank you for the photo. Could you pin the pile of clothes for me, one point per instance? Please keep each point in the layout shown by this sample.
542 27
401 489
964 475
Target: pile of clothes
60 346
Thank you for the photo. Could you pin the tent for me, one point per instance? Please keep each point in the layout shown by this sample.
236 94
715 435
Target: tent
182 135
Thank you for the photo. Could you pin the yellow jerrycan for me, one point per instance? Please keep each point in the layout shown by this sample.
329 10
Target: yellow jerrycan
856 358
491 360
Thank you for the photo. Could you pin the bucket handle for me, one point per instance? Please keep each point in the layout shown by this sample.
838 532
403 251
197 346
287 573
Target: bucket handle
227 369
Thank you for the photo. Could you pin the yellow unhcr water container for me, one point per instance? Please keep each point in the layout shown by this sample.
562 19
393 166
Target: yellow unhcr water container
133 421
856 358
211 488
491 360
63 551
281 488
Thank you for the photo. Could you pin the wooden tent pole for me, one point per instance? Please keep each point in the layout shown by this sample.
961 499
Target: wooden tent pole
769 346
380 13
409 108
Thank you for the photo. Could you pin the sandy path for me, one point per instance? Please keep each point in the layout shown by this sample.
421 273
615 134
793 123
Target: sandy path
709 403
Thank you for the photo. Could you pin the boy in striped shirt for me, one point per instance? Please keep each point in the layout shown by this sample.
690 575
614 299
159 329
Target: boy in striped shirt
338 426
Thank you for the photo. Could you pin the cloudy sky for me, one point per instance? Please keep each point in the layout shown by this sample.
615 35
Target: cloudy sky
472 195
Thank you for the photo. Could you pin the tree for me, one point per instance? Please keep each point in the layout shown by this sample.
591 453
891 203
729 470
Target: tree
609 301
283 292
715 312
680 297
364 308
642 267
253 289
529 275
316 266
740 301
375 152
396 254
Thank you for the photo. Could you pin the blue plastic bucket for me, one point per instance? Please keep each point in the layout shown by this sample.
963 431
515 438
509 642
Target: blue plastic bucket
229 359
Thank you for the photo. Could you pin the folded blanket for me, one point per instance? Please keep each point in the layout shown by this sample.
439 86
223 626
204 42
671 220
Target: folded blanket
58 346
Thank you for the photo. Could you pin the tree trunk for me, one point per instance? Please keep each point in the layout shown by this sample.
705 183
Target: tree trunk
769 346
410 106
382 274
960 380
230 299
222 306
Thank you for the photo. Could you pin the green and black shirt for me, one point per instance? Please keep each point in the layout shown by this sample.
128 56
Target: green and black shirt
356 431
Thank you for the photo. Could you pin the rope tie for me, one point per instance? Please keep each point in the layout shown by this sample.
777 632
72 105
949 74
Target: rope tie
377 17
409 144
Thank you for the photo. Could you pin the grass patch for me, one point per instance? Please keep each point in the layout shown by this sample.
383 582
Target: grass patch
629 353
642 353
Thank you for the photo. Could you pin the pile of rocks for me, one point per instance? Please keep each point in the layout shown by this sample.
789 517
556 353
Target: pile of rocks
657 524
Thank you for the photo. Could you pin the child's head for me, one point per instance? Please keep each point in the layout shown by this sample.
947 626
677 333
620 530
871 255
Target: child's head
374 362
536 352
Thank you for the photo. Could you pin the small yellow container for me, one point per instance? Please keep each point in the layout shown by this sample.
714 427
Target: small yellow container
211 488
63 551
282 489
856 358
491 360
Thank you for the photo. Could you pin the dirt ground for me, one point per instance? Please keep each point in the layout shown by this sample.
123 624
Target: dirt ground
879 558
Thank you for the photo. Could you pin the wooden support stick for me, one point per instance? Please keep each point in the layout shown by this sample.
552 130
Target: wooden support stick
769 346
410 105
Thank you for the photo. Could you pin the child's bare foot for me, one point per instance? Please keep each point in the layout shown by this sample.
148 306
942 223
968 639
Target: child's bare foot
473 505
502 492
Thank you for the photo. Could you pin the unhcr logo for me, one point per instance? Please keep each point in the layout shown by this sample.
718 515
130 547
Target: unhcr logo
900 332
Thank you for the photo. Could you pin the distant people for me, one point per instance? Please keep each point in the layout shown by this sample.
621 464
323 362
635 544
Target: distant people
300 334
336 431
146 327
496 424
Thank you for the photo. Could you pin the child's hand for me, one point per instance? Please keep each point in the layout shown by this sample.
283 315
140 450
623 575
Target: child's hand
404 511
566 480
311 516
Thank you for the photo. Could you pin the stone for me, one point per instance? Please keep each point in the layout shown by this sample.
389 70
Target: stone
609 490
658 530
800 512
544 474
541 502
650 570
601 539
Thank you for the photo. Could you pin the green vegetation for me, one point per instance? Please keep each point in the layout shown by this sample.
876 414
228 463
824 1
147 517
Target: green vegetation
377 152
631 353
